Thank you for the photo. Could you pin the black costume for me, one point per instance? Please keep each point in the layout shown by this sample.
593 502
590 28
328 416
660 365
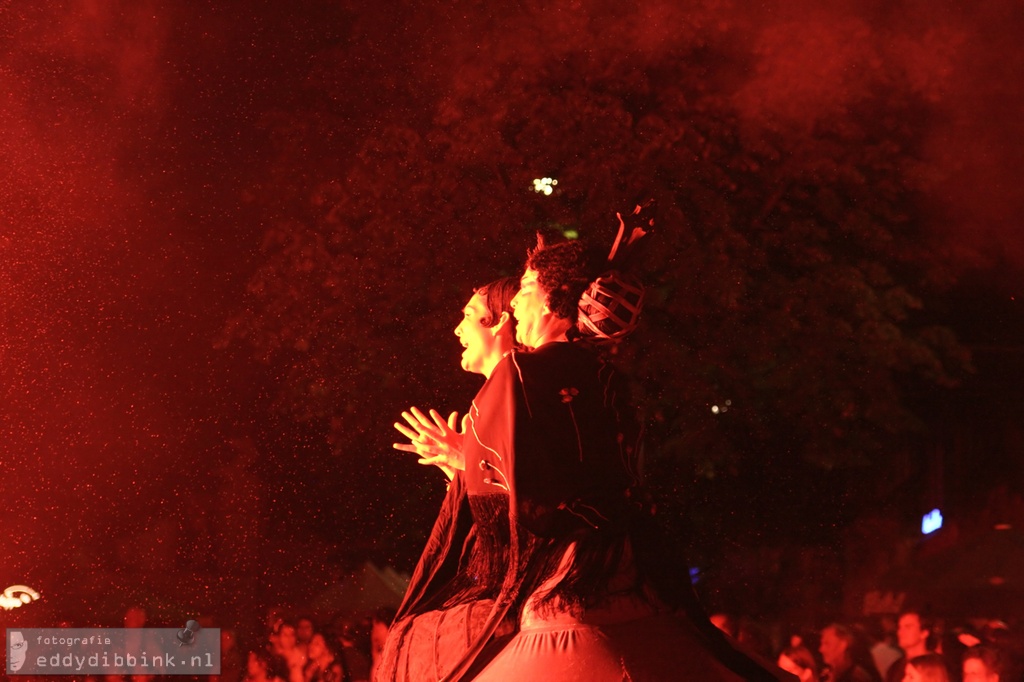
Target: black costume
543 557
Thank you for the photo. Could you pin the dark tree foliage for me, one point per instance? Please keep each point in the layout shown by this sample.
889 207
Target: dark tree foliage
787 272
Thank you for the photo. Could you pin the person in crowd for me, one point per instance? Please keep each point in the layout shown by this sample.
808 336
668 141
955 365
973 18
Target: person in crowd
914 637
926 668
748 633
799 661
260 667
544 562
1007 640
838 647
284 646
983 663
230 657
380 624
305 628
322 664
881 631
275 619
354 659
138 639
753 638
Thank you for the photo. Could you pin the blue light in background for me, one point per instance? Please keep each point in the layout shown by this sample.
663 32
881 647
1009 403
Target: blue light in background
931 522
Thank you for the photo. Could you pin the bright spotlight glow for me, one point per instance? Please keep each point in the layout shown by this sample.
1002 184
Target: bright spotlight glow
544 186
16 595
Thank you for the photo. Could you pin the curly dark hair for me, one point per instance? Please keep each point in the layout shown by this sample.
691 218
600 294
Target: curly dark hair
564 270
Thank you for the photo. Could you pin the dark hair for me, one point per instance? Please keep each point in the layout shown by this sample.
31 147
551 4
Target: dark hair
857 648
993 658
931 666
564 271
497 295
842 632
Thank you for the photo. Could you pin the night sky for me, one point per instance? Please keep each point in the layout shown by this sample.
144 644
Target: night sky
139 178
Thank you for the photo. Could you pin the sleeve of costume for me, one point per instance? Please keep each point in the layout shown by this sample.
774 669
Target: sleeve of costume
438 562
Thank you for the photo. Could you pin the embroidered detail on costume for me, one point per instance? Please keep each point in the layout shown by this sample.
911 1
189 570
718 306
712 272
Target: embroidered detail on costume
626 677
593 509
575 513
496 483
579 439
493 481
519 371
474 412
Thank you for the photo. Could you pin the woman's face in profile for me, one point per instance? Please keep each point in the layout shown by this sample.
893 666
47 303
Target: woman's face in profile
478 341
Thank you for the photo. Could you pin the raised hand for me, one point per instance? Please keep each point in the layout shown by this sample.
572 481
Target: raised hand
437 441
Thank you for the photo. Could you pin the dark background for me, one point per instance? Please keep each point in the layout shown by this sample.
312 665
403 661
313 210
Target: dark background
235 237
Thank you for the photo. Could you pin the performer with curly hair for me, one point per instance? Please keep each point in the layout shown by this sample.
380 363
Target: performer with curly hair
545 562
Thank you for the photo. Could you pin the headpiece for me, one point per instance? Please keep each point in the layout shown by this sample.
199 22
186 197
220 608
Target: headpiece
610 307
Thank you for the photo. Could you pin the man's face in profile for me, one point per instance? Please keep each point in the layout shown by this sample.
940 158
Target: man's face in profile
909 633
17 651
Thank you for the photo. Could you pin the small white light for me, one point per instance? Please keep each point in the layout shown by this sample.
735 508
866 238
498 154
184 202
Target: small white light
714 409
544 186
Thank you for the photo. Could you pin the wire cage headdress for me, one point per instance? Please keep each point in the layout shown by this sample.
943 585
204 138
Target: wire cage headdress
609 309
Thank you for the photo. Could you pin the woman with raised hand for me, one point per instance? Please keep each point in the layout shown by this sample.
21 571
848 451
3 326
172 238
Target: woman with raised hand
487 334
546 564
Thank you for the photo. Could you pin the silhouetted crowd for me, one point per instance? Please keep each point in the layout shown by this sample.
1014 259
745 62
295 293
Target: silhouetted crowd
303 649
908 647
